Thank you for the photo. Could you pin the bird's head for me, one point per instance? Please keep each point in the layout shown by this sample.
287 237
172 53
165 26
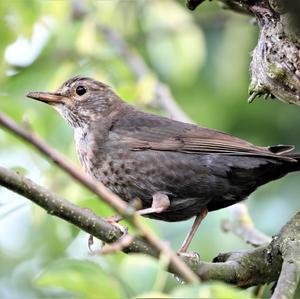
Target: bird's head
80 100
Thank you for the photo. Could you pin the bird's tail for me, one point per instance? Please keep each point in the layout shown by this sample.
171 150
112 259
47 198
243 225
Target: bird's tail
294 165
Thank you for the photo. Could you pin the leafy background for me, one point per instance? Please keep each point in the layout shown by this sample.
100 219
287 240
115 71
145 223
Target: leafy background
203 56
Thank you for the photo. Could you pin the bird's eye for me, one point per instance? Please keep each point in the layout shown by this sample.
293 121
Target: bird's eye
80 90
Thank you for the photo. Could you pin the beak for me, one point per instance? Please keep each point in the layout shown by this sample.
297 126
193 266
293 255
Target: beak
46 97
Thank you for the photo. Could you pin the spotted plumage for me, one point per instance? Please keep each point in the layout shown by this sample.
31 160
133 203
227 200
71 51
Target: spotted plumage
139 155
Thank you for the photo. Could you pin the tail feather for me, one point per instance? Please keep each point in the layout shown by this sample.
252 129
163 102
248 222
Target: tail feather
293 166
281 149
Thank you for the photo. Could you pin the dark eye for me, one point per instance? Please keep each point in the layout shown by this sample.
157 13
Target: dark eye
80 90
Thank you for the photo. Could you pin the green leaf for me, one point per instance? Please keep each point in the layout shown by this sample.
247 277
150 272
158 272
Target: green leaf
173 38
153 295
210 290
79 277
139 272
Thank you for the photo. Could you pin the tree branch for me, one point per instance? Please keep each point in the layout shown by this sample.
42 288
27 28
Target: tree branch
275 65
83 218
288 279
288 244
244 269
263 264
243 227
103 193
140 70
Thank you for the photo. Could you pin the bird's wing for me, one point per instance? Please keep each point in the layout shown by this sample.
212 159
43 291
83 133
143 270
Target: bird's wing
149 132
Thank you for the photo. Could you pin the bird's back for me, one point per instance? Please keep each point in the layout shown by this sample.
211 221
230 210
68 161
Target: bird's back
142 154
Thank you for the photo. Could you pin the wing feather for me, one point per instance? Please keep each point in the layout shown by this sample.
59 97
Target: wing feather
150 132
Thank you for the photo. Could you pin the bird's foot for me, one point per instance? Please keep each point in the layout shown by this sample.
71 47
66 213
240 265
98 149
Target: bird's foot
122 228
90 243
195 256
123 241
187 257
113 219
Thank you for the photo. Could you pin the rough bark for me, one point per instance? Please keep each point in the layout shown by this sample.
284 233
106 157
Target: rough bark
275 65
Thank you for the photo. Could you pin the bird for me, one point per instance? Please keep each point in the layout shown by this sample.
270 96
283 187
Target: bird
177 170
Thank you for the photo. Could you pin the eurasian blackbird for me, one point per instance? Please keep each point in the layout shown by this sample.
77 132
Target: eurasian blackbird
177 170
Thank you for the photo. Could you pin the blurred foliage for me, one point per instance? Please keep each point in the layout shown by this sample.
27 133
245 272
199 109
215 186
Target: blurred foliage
203 56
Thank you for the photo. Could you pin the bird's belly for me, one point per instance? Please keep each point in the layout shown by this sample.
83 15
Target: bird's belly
189 183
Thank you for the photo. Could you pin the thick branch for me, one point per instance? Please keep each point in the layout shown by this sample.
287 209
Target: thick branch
275 65
288 244
263 264
288 279
253 267
85 219
244 269
92 224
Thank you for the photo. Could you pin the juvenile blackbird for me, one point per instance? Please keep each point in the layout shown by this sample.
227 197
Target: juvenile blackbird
177 170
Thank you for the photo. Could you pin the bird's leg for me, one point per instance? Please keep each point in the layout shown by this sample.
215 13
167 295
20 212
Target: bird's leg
160 202
136 203
189 237
123 241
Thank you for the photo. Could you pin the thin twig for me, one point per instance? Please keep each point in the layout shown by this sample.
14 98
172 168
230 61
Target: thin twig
140 70
243 227
119 245
98 188
105 194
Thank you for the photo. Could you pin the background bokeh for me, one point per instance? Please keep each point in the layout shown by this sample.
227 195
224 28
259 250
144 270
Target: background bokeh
203 56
